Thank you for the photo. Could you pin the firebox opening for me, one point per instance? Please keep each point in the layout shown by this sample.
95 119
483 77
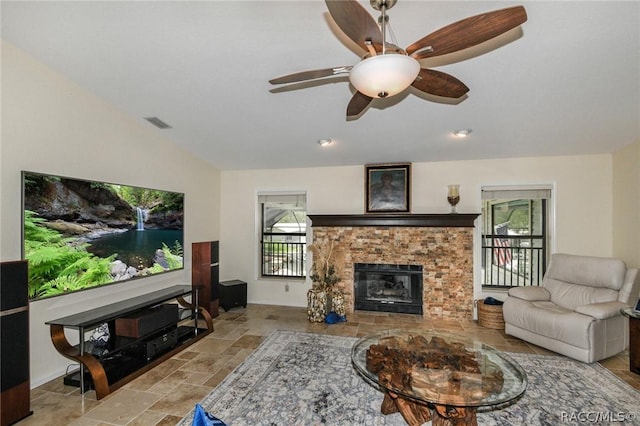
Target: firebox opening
388 288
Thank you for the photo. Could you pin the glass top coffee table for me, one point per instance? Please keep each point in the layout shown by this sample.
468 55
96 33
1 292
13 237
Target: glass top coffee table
437 376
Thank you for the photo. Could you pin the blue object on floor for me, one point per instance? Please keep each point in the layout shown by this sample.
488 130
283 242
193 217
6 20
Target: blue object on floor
333 318
202 418
492 301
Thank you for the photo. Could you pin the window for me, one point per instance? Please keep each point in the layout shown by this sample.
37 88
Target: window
515 235
283 235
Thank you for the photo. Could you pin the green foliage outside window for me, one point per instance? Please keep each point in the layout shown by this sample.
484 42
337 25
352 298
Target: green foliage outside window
521 215
274 248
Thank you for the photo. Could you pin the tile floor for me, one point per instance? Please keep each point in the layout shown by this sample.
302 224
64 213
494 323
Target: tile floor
165 394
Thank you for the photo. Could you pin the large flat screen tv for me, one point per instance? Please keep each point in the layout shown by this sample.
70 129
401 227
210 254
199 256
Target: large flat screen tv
79 234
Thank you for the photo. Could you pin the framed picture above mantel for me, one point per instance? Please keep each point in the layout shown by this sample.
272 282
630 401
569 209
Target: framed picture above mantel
387 188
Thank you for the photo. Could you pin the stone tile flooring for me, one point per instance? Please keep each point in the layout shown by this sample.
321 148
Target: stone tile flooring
164 395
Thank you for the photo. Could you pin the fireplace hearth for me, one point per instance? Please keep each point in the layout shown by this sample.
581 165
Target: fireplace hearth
388 288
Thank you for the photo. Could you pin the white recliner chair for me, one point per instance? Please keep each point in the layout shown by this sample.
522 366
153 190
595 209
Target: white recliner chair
576 309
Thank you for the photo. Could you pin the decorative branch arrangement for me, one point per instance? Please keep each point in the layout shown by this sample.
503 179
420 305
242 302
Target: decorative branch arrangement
325 273
325 301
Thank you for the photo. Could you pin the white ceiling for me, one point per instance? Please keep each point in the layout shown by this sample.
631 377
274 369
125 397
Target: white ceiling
566 82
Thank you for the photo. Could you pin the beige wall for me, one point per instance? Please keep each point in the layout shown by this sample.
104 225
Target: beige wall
626 204
582 191
50 125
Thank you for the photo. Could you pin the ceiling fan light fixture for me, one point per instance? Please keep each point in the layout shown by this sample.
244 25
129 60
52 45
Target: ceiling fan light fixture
384 75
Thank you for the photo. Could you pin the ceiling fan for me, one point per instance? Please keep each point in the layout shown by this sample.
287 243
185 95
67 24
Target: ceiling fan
386 69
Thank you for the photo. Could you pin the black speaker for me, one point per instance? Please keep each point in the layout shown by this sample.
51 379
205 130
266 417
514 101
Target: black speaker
215 252
14 342
215 280
13 285
15 365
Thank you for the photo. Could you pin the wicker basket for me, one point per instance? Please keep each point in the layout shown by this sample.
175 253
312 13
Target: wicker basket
490 316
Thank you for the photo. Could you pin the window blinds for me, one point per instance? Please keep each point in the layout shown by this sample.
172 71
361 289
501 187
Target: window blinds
284 200
542 192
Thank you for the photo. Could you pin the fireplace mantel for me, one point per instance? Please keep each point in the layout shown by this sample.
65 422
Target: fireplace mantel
461 220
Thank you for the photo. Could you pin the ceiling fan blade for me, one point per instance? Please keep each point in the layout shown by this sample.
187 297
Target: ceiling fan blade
357 104
439 83
468 32
310 75
355 22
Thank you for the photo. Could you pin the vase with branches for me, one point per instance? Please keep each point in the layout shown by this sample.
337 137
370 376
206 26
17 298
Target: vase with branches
326 273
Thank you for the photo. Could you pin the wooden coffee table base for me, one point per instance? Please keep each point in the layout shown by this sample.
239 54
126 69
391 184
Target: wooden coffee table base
442 377
416 414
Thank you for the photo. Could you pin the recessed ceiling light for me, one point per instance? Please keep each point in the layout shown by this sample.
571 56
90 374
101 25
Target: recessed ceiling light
325 142
462 133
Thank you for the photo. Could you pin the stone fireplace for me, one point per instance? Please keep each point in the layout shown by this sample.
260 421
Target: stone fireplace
388 288
440 244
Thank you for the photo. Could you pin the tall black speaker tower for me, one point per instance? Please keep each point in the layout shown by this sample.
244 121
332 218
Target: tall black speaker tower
14 342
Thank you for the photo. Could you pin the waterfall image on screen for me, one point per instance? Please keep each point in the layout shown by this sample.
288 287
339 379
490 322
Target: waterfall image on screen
80 234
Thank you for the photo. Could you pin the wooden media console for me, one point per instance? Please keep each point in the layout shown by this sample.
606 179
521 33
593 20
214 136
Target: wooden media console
151 336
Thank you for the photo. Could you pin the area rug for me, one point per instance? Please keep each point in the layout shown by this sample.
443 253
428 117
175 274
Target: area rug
296 378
